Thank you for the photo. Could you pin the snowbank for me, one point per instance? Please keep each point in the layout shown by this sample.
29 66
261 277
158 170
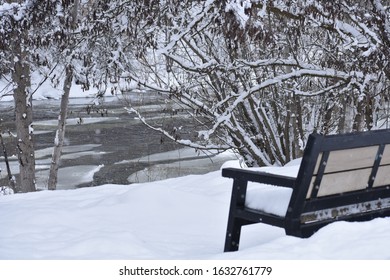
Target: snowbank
180 218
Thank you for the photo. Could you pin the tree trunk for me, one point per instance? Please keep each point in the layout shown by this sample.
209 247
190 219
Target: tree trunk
11 179
23 113
369 112
60 134
358 119
342 115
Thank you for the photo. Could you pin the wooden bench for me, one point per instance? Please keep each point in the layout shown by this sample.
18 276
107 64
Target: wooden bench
341 177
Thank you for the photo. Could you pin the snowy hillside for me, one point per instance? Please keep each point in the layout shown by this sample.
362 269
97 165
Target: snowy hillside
181 218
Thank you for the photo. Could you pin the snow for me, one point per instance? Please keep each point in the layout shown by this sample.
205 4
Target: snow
238 8
187 161
259 196
45 89
79 174
17 11
76 121
178 218
68 177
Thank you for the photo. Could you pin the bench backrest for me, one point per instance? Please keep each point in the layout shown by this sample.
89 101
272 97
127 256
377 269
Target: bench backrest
342 175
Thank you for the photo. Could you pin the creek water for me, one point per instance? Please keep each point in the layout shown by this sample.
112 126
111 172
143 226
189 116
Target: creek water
105 144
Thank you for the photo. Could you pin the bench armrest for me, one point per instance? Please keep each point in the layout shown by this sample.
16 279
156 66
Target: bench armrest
259 177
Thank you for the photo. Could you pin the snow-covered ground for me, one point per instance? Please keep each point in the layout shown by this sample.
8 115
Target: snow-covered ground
180 218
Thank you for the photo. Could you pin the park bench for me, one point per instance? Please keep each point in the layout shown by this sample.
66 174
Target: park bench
341 177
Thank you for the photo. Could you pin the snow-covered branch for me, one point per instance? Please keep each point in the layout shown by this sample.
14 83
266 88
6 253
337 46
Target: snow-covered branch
184 142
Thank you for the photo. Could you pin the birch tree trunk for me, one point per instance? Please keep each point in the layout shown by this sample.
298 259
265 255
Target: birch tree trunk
60 133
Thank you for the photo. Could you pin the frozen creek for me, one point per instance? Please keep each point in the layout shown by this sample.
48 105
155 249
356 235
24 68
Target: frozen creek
106 147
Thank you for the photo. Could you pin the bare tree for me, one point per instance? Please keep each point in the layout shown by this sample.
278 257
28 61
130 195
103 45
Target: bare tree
31 31
259 76
87 52
67 84
15 47
47 36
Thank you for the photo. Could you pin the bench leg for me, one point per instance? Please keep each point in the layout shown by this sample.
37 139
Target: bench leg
234 224
233 233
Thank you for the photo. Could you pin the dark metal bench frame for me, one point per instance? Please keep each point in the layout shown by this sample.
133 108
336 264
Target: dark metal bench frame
317 146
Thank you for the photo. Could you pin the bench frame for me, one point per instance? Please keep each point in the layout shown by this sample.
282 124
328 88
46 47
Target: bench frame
318 147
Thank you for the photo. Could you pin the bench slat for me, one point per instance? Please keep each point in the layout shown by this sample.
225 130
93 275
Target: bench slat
341 182
383 176
345 199
346 210
386 155
349 159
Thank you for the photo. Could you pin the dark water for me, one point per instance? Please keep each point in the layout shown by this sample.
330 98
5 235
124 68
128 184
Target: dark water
120 137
